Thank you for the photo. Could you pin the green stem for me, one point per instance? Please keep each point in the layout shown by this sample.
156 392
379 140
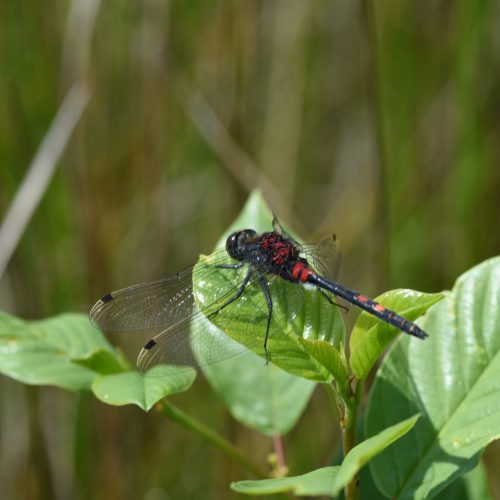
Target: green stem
348 426
210 435
346 401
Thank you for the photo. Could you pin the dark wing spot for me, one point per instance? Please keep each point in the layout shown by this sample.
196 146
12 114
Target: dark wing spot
150 344
108 297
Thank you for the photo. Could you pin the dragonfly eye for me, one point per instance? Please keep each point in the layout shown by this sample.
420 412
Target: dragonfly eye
235 243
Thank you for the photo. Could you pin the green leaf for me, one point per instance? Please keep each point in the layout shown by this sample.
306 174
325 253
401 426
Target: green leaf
471 486
261 396
104 362
366 450
329 357
142 390
41 352
476 484
246 320
371 336
329 480
452 379
317 482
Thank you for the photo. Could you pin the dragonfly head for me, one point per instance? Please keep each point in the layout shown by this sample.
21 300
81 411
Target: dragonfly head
235 243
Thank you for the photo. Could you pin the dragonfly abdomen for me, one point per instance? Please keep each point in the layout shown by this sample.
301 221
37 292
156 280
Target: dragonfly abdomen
368 305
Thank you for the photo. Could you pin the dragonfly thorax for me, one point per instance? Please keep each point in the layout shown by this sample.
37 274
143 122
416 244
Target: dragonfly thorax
279 248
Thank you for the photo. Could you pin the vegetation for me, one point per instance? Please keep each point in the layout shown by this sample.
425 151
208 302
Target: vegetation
374 121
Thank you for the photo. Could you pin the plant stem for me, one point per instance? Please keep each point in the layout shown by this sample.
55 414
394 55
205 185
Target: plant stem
210 435
347 401
349 441
348 426
280 456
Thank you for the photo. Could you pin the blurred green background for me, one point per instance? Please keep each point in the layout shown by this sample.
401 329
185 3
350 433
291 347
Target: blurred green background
378 121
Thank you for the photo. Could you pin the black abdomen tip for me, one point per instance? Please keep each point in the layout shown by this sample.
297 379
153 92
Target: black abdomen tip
108 297
417 332
151 343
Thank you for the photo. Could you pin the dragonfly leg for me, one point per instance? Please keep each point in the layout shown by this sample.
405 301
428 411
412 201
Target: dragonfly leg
230 266
262 283
346 309
237 295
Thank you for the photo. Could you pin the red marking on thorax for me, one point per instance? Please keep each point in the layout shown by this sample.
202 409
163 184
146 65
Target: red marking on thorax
279 249
268 241
362 298
379 308
282 252
280 256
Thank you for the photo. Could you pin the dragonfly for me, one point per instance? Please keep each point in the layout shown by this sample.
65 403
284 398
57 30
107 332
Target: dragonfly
260 272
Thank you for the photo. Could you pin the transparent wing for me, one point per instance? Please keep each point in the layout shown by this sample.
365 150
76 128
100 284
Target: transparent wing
324 257
191 341
152 305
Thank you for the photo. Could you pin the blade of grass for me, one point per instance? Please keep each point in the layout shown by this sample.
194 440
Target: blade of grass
40 171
